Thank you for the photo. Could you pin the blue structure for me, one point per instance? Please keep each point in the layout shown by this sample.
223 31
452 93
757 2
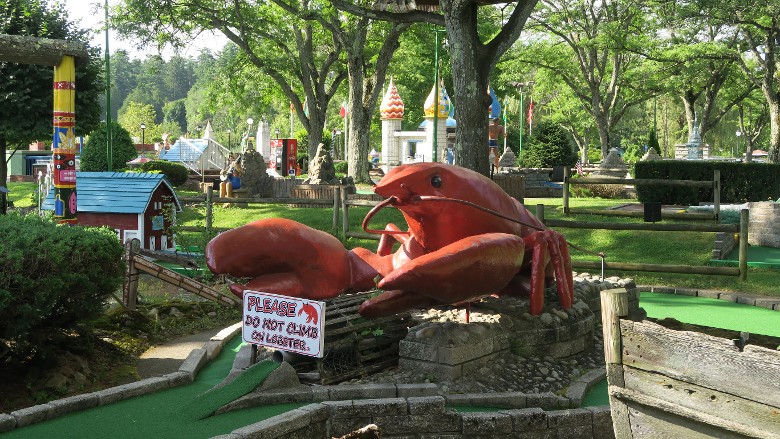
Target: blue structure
136 205
197 154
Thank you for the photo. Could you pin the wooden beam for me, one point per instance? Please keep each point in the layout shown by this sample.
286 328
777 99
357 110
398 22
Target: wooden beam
41 51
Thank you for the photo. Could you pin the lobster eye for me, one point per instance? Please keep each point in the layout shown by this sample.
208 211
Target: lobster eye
436 181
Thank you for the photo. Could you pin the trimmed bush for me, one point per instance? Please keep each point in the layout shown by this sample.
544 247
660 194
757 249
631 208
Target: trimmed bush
550 146
176 173
739 182
94 157
51 278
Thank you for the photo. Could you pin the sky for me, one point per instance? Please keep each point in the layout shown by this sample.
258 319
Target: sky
90 15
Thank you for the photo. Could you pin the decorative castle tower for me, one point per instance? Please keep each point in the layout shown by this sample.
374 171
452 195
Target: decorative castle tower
391 111
442 108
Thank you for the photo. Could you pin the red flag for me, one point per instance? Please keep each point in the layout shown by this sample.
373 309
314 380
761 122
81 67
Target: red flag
530 112
343 111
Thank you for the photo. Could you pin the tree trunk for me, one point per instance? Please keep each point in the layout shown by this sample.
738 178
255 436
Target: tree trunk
470 73
364 93
602 126
359 128
3 163
774 131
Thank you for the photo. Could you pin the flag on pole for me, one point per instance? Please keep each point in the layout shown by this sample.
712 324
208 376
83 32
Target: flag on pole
530 111
579 168
343 111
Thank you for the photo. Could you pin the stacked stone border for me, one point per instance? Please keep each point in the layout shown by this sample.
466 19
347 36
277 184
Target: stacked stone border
428 417
402 410
186 374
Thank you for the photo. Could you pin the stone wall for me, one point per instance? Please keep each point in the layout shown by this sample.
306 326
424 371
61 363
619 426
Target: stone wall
764 229
724 244
536 182
428 417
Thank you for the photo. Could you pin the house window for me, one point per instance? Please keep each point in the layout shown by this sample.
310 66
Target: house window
151 243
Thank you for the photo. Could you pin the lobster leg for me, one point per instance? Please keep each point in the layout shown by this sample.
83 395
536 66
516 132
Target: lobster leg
386 241
539 257
561 262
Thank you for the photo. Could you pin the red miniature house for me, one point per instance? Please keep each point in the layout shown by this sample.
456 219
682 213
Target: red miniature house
136 205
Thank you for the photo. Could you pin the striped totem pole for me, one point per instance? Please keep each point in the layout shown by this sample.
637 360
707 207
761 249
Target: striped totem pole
64 144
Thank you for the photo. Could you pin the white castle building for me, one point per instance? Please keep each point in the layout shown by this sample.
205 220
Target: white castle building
401 147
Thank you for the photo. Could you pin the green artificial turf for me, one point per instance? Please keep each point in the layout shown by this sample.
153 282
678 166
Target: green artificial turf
765 257
715 313
160 414
206 404
597 395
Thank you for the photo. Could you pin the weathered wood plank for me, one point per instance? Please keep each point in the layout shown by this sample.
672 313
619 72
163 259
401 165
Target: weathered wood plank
646 181
41 51
732 409
656 227
651 423
708 361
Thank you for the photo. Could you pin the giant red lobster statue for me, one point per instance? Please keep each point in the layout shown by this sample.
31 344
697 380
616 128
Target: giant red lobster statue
466 239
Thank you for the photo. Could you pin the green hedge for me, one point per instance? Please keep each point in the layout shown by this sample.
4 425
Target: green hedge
51 278
740 182
176 173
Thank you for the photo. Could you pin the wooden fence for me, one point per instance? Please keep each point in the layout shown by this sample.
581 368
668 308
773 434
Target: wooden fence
342 202
714 184
741 228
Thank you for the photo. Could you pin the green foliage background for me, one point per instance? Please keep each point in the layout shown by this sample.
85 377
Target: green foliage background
175 172
94 156
550 146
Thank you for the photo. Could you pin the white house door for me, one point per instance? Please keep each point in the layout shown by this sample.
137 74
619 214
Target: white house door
130 234
151 243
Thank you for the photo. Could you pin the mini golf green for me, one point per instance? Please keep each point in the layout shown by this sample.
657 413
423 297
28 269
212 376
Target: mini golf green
714 313
172 413
764 257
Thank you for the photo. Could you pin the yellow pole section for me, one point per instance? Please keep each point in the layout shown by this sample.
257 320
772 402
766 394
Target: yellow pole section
64 143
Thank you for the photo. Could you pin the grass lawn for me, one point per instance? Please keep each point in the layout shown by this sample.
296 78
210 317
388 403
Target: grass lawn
684 248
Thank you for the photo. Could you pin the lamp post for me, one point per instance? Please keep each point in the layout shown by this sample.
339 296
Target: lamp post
277 133
436 95
143 138
739 134
521 87
228 131
336 134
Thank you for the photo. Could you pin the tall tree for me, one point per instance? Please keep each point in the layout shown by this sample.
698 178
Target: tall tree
26 91
298 55
473 56
697 52
758 23
124 78
369 47
583 43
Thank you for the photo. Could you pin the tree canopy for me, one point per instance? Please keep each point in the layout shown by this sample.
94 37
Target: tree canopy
26 91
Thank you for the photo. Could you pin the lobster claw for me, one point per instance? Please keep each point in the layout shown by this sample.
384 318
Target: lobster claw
282 257
482 264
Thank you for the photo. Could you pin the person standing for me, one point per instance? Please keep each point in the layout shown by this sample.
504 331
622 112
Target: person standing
494 130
